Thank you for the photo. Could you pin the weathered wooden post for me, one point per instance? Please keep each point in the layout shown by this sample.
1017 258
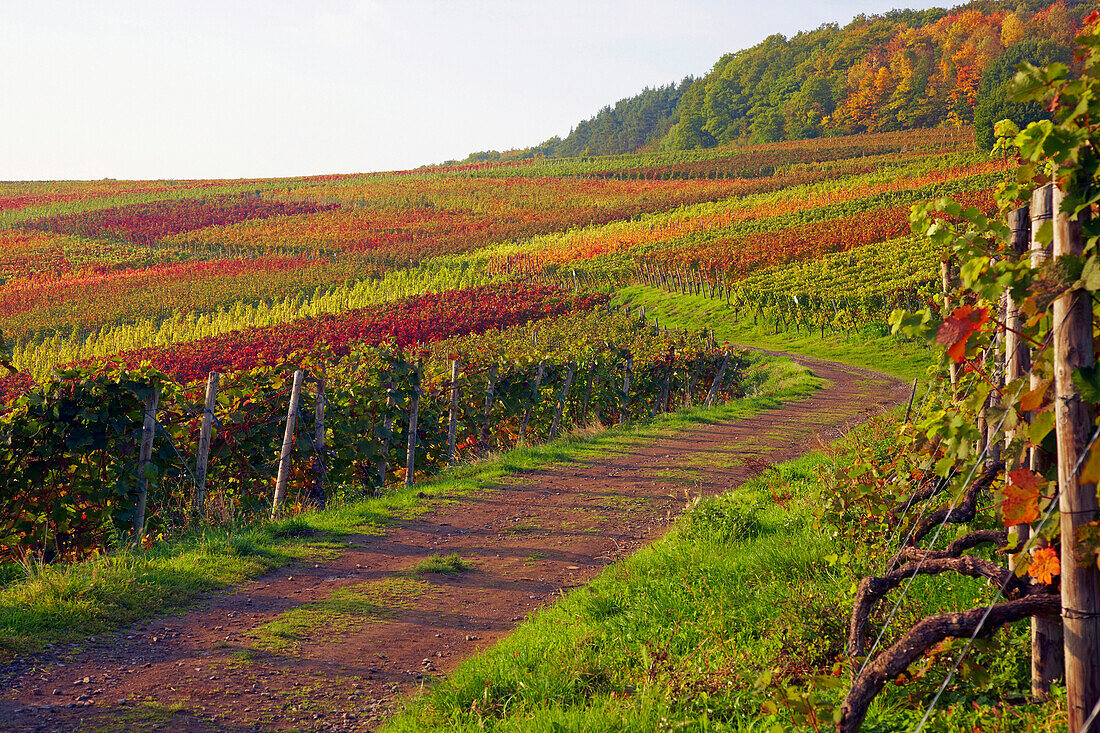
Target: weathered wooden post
414 412
288 444
387 433
628 365
206 429
712 395
912 395
945 282
591 380
662 399
563 397
452 415
490 390
534 402
319 442
1047 662
145 454
1077 503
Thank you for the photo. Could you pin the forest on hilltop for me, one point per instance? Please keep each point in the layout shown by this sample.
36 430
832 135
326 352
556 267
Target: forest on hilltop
899 70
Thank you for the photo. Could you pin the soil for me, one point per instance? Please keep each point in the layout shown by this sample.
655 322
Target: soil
213 669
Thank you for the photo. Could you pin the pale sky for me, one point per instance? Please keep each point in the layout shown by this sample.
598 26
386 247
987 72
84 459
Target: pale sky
242 88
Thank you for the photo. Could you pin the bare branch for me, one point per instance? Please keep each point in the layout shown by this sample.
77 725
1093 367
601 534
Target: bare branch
872 588
966 509
926 634
998 537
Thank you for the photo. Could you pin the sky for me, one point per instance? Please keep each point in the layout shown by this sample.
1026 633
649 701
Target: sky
151 89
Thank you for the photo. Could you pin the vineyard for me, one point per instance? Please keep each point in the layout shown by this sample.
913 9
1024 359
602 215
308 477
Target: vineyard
265 363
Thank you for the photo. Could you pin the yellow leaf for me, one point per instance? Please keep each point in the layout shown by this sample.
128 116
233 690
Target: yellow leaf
1090 474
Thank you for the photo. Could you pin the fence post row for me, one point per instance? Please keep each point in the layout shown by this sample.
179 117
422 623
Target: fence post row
1073 350
205 435
288 444
148 429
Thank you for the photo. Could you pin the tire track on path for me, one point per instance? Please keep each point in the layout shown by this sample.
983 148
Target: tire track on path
529 538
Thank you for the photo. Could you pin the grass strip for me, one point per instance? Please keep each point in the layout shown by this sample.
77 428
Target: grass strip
870 348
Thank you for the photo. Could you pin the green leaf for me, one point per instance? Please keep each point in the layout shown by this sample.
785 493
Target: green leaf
1041 425
1087 381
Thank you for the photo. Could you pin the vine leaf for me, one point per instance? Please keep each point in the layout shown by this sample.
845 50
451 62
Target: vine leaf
1021 497
1090 474
1087 547
958 327
1044 565
1087 381
1033 400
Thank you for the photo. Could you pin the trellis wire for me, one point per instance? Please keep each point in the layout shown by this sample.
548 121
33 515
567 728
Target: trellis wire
1000 591
939 529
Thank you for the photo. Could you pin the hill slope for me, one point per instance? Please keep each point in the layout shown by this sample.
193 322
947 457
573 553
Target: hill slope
901 70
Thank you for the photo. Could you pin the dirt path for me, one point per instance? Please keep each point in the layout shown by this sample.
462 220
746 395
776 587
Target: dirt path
381 631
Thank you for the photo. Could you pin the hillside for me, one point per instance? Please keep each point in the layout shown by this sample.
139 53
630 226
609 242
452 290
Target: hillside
900 70
773 435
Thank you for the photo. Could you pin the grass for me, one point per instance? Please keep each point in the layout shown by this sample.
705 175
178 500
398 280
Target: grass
346 610
870 349
42 605
446 564
674 637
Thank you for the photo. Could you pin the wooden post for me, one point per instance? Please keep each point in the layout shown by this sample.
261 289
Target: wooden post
912 395
319 443
489 392
1017 357
206 430
692 381
945 282
590 383
452 415
563 397
414 412
534 402
1077 503
662 399
288 444
712 395
627 366
148 430
387 437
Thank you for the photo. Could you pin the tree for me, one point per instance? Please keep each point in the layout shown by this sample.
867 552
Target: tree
993 104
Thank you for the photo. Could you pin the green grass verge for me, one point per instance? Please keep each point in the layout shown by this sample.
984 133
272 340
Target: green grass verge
882 353
675 637
47 604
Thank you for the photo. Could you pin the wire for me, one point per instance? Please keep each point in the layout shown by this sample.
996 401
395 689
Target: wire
1000 592
939 529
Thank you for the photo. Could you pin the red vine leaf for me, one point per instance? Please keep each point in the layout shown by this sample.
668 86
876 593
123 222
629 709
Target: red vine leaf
1021 497
957 328
1044 565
